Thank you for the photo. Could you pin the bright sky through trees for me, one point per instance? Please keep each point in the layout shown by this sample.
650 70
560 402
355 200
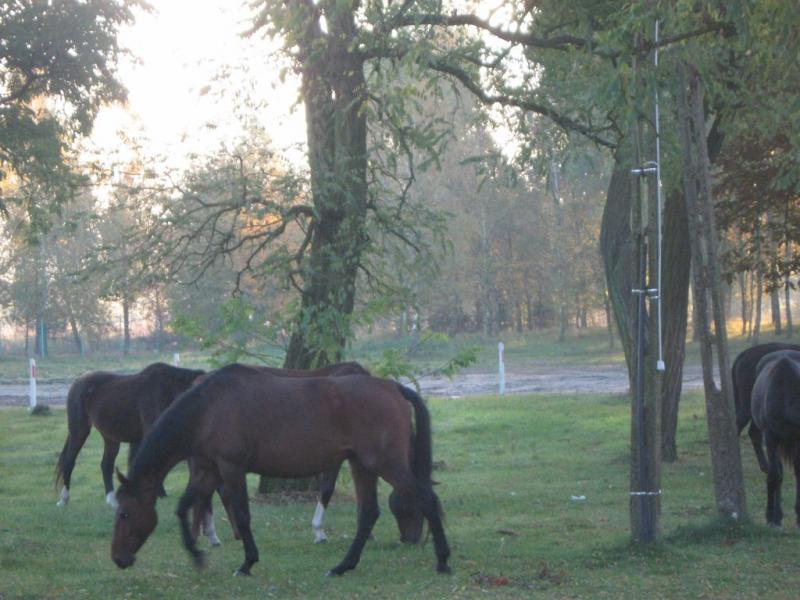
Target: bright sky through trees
178 101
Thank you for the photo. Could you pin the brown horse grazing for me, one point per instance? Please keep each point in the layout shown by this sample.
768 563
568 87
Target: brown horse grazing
776 412
327 480
122 408
239 420
743 374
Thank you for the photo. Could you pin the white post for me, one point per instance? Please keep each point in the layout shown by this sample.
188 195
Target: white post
501 368
32 374
176 359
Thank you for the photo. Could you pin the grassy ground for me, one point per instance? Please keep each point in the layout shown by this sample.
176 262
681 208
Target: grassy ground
508 467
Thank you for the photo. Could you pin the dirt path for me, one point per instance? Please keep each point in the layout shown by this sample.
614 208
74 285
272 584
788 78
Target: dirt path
545 378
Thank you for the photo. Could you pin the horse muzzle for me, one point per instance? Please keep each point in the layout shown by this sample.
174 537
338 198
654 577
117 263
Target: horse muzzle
124 561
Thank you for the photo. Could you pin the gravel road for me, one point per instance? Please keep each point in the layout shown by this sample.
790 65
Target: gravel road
545 378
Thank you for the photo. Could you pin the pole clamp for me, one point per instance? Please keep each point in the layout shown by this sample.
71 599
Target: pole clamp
658 493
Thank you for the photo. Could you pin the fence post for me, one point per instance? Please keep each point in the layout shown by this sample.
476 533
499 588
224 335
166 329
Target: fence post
501 368
176 359
32 375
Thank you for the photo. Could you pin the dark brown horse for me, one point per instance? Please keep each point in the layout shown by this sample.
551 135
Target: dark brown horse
327 480
239 420
122 408
776 412
743 373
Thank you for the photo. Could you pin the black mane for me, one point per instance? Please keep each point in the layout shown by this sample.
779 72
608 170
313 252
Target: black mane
168 442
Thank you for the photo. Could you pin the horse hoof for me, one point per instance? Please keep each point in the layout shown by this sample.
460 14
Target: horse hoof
215 543
335 572
200 561
240 573
443 569
61 503
321 539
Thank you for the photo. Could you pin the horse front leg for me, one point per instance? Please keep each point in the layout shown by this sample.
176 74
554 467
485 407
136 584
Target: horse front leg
757 439
197 495
110 451
327 485
190 498
774 480
366 484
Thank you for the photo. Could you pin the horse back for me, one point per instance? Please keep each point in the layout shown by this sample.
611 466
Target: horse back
776 395
294 427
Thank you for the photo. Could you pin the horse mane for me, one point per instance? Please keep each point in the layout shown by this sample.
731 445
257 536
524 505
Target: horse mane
170 436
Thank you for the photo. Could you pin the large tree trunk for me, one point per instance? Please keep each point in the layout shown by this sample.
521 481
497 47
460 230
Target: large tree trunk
723 439
675 308
787 291
126 325
76 335
616 243
334 94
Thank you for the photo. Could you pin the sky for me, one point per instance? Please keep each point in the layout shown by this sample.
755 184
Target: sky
177 100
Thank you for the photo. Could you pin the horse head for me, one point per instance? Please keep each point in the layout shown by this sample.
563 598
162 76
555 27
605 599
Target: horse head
409 517
135 520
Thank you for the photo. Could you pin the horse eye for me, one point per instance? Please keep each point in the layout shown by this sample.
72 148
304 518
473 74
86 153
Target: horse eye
123 515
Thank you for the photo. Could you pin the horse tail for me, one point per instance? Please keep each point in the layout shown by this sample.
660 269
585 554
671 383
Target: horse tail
422 455
76 417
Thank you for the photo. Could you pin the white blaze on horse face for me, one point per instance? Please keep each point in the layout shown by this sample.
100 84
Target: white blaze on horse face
210 530
111 500
63 499
317 524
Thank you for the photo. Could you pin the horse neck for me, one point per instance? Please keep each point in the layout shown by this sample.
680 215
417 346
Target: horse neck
160 451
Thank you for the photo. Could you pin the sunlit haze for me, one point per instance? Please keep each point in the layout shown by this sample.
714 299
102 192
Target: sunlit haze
178 102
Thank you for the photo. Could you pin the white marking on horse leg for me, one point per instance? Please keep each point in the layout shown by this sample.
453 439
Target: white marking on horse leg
111 500
317 524
210 530
63 499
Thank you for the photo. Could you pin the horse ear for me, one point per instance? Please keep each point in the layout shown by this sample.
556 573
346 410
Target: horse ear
122 479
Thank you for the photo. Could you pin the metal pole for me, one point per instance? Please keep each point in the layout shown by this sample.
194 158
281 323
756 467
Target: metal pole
501 368
32 375
660 363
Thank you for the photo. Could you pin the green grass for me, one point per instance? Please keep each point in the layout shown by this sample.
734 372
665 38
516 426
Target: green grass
508 467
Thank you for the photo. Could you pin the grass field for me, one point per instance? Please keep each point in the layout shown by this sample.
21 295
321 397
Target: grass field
508 469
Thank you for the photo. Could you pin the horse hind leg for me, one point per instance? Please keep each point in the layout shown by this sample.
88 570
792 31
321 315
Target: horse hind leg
110 451
774 480
235 490
796 465
757 439
366 484
327 485
203 521
79 429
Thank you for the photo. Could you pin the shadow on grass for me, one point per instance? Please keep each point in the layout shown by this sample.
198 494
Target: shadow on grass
716 532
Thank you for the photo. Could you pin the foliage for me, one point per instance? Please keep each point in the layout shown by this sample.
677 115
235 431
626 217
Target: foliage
57 66
395 363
